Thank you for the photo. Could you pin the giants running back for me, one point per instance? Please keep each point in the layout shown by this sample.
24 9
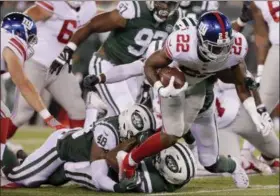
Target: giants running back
182 47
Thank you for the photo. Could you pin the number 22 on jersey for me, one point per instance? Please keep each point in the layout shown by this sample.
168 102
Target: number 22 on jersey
182 43
67 31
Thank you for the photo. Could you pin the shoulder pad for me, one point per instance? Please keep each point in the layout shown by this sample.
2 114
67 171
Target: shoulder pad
178 42
47 5
105 136
240 47
19 47
184 23
129 9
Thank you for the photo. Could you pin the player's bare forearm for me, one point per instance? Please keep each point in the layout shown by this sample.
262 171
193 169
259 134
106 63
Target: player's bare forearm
38 13
239 81
126 146
257 97
104 22
153 63
261 34
26 88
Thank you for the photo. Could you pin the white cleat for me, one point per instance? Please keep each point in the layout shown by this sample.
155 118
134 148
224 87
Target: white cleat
260 166
239 176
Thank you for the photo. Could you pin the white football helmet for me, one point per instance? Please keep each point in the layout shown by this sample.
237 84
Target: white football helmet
135 119
176 164
75 4
162 12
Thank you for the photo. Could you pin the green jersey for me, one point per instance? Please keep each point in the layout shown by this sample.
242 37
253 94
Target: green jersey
128 44
75 145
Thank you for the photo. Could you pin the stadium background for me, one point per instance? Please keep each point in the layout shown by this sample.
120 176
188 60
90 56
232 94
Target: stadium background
84 53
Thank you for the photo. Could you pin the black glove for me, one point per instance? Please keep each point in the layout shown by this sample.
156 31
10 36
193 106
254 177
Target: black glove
246 13
65 58
251 84
90 81
127 184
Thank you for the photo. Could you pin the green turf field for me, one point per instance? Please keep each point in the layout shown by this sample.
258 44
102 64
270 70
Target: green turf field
31 138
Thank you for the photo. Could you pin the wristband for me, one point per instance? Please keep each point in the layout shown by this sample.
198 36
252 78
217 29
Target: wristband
44 113
250 106
260 69
72 46
240 23
158 85
102 78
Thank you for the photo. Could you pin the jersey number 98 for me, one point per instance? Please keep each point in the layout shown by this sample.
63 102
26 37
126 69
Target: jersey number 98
143 39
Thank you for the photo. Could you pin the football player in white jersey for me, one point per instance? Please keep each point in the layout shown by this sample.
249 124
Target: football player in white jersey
56 22
210 48
266 24
18 36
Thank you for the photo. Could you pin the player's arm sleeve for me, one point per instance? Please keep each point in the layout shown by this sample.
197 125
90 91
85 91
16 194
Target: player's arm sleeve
106 136
129 9
125 71
47 5
169 46
19 48
99 174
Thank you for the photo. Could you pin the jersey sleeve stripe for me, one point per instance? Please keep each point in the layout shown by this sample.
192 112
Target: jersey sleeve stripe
137 9
167 50
192 21
45 5
18 45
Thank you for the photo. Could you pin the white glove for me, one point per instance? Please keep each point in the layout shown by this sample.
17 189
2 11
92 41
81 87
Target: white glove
170 90
259 116
259 73
265 120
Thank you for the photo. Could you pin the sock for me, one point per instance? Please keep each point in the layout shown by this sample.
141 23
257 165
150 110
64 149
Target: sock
2 147
223 164
151 146
91 116
12 128
4 122
248 146
76 123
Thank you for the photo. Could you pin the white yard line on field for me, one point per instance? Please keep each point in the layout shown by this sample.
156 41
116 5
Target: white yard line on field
253 187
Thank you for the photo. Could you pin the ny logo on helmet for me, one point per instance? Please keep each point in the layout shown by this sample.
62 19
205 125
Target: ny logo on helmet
27 23
202 28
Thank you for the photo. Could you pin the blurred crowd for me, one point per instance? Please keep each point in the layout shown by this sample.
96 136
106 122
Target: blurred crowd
84 53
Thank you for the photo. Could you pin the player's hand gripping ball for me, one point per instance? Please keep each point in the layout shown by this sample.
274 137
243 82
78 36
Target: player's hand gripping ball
166 73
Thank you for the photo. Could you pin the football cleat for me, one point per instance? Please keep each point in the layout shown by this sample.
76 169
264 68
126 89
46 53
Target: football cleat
125 170
239 176
250 162
273 164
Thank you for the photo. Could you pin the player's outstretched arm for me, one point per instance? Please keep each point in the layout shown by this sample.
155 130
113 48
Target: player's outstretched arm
261 38
245 16
104 22
38 13
101 23
257 112
27 89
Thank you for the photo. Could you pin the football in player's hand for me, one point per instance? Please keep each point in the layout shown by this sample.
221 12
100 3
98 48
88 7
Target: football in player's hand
166 73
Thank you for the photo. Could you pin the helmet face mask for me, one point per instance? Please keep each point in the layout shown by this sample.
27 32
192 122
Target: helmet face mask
162 9
134 120
215 37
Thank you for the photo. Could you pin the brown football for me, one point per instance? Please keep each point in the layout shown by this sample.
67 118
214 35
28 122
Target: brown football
166 73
